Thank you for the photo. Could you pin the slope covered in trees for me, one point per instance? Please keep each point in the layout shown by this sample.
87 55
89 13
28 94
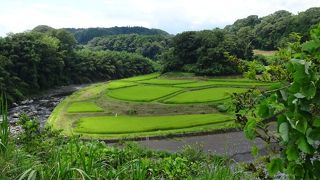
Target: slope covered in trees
46 57
205 52
84 35
150 46
272 31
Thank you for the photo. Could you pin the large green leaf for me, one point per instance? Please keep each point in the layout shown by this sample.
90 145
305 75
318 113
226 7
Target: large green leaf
284 131
299 75
292 152
302 125
264 110
309 90
250 129
316 122
303 145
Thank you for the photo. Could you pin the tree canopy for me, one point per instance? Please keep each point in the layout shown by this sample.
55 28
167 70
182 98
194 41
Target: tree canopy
46 57
84 35
150 46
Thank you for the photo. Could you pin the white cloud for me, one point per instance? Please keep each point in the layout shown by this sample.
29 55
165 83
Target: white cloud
171 15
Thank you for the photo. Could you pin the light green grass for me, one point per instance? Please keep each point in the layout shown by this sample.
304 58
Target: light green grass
78 107
90 92
143 77
134 124
215 127
166 81
119 84
204 95
143 93
243 80
219 83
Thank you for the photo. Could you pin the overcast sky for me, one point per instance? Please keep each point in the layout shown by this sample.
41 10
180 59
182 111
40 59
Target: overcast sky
172 16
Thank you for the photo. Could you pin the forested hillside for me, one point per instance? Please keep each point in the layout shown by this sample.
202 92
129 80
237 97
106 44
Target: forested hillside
150 46
46 57
84 35
206 52
272 31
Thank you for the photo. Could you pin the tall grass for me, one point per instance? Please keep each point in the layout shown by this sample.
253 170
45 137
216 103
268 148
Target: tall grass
4 125
42 154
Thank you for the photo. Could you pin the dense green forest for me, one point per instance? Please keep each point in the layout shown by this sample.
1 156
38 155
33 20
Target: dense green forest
272 31
84 35
150 46
205 53
46 57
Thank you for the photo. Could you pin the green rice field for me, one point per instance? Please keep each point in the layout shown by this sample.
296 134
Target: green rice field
142 92
78 107
149 105
204 95
134 124
119 84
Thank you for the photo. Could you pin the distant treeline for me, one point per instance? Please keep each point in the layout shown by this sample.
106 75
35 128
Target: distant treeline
46 57
150 46
84 35
272 31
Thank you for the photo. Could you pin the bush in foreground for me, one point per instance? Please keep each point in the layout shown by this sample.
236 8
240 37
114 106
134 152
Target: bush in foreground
44 154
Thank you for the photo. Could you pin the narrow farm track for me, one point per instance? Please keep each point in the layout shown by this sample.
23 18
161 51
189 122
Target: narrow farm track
232 144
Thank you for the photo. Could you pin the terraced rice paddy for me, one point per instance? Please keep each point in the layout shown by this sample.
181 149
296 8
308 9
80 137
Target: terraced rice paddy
149 106
142 92
134 124
204 95
80 107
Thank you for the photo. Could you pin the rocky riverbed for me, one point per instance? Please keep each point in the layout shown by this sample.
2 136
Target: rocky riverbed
39 106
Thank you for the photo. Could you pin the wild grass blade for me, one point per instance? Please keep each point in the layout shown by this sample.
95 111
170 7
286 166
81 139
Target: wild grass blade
4 125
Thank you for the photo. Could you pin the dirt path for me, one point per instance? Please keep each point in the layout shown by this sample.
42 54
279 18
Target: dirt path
232 144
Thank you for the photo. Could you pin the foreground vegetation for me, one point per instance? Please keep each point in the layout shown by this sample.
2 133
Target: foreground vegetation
45 154
295 107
